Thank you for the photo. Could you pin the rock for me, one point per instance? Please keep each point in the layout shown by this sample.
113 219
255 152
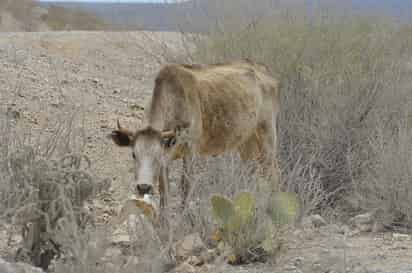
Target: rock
132 261
298 261
208 256
354 232
13 113
191 245
400 237
378 227
317 220
291 269
365 227
6 267
195 261
361 219
334 228
362 222
345 230
120 236
112 253
185 268
313 221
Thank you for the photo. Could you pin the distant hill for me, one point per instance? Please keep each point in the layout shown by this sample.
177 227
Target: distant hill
192 16
198 15
130 16
195 15
30 15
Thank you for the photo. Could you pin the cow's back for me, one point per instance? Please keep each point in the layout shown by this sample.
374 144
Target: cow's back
229 96
223 103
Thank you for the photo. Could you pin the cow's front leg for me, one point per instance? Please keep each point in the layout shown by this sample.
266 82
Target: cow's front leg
163 192
184 182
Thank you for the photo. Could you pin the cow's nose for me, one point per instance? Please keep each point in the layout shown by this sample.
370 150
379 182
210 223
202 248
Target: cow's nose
143 189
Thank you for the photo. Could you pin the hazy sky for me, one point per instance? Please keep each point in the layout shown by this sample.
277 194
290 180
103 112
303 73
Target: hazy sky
111 1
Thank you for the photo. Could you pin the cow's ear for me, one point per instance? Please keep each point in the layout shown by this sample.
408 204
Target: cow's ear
121 136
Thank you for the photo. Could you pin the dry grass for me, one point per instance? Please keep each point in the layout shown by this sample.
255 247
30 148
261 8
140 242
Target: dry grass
344 122
43 189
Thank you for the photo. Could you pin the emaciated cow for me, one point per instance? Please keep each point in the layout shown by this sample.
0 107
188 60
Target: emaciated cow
204 110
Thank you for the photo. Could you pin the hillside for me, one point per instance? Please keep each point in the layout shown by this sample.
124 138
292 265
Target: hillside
198 15
184 16
28 15
189 16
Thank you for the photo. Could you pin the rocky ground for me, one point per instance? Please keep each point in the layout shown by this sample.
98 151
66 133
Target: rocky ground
97 78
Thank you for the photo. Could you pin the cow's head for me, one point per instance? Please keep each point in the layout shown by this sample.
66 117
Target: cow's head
151 150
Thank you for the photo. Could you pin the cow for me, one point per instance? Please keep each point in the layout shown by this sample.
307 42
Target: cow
205 110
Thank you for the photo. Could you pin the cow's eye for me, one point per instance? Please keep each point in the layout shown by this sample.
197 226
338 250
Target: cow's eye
134 155
169 142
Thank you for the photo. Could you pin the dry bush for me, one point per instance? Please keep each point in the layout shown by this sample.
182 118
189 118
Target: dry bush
385 183
43 189
342 77
60 18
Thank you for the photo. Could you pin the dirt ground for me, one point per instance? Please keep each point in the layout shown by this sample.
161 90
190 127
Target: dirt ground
101 77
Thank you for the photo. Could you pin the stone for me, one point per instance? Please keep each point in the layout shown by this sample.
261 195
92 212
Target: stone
112 253
191 245
291 269
344 229
365 227
361 219
363 222
378 227
400 237
195 261
317 221
133 261
185 268
208 256
313 221
6 267
298 261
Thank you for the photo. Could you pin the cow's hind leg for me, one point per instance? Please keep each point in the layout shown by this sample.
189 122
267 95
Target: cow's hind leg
261 147
269 155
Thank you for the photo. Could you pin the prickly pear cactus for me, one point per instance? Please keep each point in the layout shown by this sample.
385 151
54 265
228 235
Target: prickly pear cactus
244 206
233 215
223 209
239 228
285 208
237 223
